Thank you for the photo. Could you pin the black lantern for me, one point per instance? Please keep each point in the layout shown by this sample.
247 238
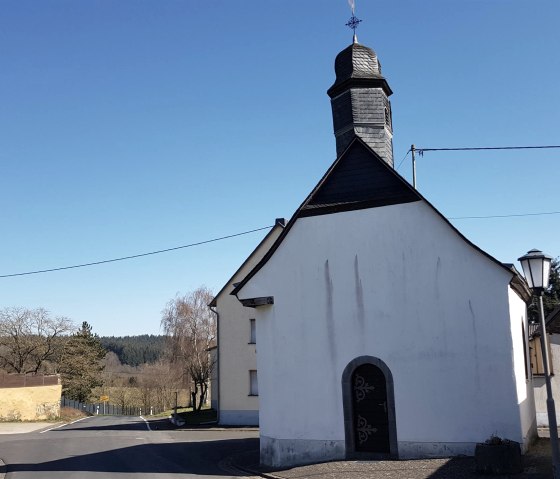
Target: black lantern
536 266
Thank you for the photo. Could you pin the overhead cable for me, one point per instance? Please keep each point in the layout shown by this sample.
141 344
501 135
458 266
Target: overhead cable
213 240
504 216
123 258
404 158
477 148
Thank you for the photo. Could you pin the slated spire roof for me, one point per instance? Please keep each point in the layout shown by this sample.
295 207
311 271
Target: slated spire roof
357 64
356 61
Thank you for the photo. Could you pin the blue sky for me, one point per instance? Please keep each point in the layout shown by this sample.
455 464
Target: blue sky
131 126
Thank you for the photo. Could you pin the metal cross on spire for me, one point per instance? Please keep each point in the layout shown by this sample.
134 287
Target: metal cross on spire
354 21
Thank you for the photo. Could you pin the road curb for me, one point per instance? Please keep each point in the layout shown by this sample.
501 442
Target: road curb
231 464
267 475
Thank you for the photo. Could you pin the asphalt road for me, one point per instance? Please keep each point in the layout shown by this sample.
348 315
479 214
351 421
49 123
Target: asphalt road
122 447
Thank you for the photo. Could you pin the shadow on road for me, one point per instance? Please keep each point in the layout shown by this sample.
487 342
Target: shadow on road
139 425
128 426
171 458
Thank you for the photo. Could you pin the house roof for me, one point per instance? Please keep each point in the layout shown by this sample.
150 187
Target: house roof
360 179
552 322
279 223
519 284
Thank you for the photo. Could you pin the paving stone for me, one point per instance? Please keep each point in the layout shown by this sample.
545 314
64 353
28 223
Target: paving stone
536 465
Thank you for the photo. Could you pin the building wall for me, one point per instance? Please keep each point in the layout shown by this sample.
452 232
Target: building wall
540 386
236 356
522 367
213 389
396 283
30 403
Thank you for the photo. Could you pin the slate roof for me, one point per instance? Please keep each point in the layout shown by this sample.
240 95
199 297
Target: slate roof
356 61
356 181
360 179
357 65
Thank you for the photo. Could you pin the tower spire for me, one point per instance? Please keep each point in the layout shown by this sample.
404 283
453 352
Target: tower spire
354 21
360 99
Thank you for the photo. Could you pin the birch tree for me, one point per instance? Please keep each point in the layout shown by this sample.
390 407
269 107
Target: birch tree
191 328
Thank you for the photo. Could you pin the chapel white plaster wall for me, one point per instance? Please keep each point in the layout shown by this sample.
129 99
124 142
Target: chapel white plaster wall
399 284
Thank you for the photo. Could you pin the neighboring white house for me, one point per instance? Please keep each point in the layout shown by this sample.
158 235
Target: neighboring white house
235 387
382 331
553 328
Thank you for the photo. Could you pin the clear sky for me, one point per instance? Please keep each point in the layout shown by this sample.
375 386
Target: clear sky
131 126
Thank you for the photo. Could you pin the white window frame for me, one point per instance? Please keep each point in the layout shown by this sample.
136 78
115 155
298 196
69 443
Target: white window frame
253 331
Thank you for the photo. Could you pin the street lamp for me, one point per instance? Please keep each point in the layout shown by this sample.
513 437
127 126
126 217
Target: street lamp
536 266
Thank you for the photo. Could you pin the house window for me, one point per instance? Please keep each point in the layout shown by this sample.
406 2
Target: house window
253 383
537 367
253 335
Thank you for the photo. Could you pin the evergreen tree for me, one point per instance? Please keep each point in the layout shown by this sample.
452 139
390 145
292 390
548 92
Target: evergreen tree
136 350
551 296
81 366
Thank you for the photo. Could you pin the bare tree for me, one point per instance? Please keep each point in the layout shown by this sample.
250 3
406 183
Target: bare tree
158 383
191 326
30 339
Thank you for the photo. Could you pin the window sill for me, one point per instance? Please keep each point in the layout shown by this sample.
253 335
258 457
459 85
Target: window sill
251 342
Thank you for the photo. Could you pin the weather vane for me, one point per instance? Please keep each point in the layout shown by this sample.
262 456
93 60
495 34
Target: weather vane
354 21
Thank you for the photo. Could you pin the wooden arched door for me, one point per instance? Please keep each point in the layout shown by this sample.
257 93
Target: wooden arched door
370 418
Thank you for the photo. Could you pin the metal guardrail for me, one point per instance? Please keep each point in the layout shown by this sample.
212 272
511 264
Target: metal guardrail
103 408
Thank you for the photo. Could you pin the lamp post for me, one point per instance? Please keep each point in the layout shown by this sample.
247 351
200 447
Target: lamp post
536 267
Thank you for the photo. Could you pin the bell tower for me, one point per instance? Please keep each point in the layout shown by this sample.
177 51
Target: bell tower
360 100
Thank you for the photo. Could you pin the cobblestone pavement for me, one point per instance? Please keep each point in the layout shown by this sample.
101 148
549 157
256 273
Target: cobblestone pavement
536 465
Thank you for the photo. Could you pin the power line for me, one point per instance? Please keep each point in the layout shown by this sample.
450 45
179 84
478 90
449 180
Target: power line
213 240
123 258
404 158
542 147
504 216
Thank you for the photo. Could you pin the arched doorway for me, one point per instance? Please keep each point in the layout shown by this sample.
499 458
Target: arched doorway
369 409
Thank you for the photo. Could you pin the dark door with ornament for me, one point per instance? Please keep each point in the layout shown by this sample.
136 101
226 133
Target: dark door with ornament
370 419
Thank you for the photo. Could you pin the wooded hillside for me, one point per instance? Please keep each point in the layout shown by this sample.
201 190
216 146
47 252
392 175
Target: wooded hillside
136 350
